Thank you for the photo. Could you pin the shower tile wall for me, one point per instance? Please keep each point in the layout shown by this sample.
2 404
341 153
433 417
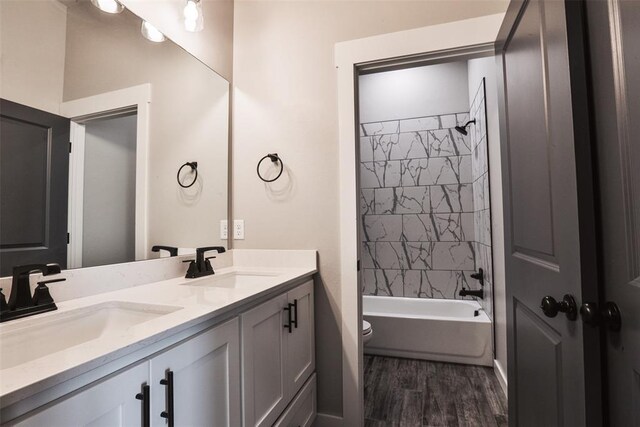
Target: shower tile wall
481 205
417 207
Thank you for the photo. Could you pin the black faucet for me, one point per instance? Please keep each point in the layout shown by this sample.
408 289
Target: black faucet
173 251
478 293
201 266
21 303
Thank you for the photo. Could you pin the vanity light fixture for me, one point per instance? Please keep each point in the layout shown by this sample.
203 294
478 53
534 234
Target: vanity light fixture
109 6
193 16
151 33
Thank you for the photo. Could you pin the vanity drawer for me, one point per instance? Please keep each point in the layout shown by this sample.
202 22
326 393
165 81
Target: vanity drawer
302 411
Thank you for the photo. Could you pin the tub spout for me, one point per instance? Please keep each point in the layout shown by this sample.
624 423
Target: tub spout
478 293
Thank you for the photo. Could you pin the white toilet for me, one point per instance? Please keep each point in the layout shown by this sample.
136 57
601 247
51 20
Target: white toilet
367 332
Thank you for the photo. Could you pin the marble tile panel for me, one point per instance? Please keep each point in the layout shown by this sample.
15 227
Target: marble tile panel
382 228
437 284
453 256
392 255
382 282
451 198
448 121
418 255
436 171
368 255
485 191
380 128
412 200
448 142
462 118
366 149
385 201
367 201
419 228
412 145
416 284
380 174
420 124
385 147
438 227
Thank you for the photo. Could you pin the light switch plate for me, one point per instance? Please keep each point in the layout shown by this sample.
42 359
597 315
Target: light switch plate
238 229
224 229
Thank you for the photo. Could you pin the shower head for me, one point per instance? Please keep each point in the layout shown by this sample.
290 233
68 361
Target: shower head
463 129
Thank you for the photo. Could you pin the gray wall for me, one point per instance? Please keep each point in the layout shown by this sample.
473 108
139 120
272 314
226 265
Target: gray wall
414 92
108 229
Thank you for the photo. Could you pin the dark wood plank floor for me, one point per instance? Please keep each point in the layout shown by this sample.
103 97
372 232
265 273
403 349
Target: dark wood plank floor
410 393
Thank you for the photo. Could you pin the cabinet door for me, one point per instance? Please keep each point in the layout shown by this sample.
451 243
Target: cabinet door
263 363
206 380
108 403
302 411
301 341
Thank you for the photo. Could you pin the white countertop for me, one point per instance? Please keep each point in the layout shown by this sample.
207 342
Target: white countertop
195 304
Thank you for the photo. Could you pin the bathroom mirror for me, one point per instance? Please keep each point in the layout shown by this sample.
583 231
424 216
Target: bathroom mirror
96 123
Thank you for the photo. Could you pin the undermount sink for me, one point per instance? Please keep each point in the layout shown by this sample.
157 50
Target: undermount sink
38 336
234 279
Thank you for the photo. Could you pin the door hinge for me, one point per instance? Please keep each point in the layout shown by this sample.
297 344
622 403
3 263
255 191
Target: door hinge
358 265
67 238
70 147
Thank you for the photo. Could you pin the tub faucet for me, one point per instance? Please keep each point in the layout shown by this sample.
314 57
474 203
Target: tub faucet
478 293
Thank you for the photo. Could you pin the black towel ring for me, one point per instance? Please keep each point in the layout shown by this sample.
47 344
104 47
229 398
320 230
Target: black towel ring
194 168
274 158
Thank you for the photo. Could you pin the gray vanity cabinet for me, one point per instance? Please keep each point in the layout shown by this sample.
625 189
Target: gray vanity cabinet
200 380
108 403
206 389
278 354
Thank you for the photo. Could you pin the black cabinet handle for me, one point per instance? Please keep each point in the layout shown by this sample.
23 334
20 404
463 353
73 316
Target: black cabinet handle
288 325
295 313
146 405
168 414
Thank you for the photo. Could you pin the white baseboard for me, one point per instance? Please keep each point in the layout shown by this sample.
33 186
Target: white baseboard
326 420
502 377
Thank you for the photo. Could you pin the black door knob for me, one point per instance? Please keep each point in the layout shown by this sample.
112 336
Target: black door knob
550 307
611 316
590 314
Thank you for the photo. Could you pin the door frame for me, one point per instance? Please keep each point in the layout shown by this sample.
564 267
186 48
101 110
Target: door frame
81 110
458 39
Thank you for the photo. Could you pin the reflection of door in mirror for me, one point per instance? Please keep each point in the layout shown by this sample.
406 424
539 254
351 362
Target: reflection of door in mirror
106 188
34 165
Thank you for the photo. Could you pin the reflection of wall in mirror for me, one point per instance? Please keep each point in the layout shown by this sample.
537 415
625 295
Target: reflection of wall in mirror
188 116
188 112
213 46
32 66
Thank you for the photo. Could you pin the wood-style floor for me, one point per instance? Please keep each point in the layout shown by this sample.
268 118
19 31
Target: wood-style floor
408 393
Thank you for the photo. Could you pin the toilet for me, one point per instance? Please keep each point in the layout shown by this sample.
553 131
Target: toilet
367 332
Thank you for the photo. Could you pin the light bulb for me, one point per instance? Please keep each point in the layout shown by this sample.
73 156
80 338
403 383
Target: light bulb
151 33
109 6
193 16
191 11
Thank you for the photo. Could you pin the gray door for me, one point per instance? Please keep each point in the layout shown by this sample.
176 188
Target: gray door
553 361
34 165
615 62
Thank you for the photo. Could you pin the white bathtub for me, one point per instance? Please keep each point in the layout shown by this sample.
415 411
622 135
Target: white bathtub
430 329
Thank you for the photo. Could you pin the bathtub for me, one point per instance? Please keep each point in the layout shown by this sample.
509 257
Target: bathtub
431 329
